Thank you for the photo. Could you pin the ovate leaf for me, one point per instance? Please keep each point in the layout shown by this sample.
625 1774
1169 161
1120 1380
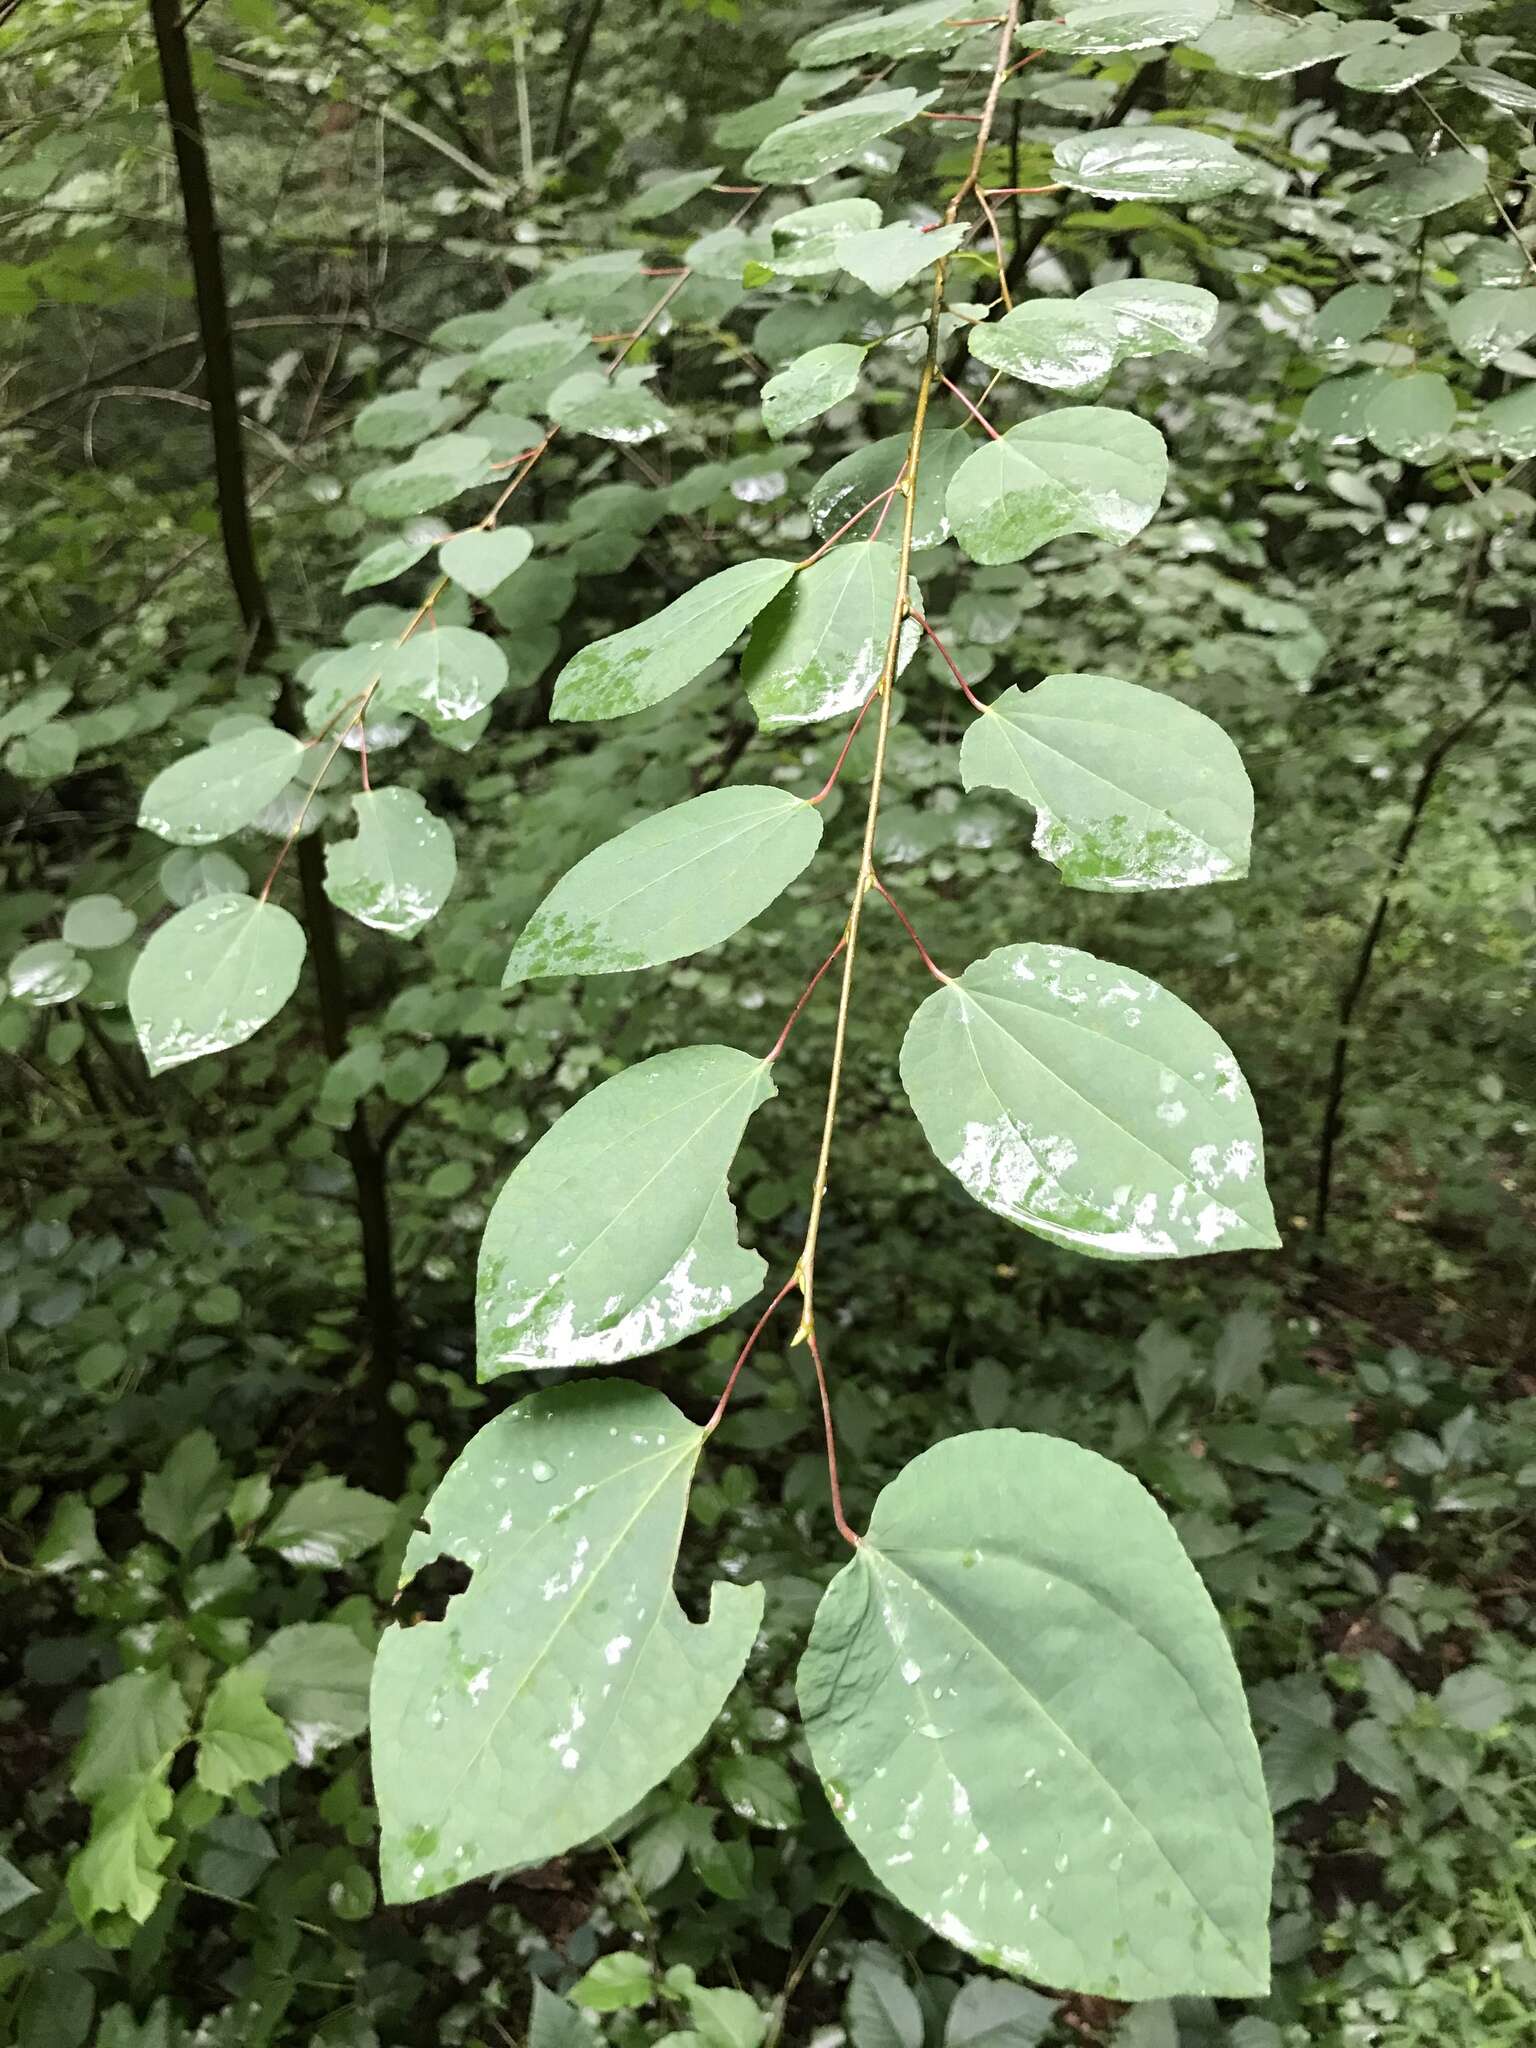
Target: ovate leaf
315 1674
809 386
614 1237
566 1680
443 674
1106 27
839 492
817 143
49 972
1394 65
1080 469
1151 163
402 419
1409 417
133 1727
818 649
617 408
882 2009
211 977
671 885
1089 1105
887 258
1073 344
1412 189
1510 423
1489 322
241 1741
991 2013
897 32
1131 789
953 1693
326 1523
481 562
439 470
670 191
638 667
807 243
534 350
397 873
209 794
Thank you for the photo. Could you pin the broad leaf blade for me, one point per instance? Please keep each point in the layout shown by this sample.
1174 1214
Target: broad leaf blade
566 1680
671 885
644 664
215 791
818 649
211 976
810 386
481 562
443 675
837 495
1132 790
1080 469
954 1695
397 873
807 149
614 1237
1087 1104
1151 163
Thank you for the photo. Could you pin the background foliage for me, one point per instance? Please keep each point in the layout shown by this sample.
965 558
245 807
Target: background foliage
208 1420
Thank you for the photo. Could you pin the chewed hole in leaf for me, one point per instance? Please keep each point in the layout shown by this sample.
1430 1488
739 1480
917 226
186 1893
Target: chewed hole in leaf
425 1596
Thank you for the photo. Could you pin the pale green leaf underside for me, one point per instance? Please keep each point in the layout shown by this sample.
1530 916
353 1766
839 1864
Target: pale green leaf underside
1073 344
807 149
1079 469
614 1236
1409 417
566 1680
1489 322
1113 1837
806 388
679 881
1131 789
1394 66
892 32
1087 1104
211 976
818 649
1150 163
887 258
644 664
480 562
209 794
396 874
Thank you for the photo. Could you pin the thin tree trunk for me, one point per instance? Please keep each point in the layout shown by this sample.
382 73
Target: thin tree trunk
581 43
207 265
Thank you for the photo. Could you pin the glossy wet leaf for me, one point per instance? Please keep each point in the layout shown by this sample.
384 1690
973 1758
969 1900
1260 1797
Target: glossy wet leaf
809 386
389 559
1078 469
1131 789
1087 1104
439 471
954 1695
1151 163
1394 65
1409 417
1336 410
1256 45
818 649
325 1523
565 1681
886 258
402 418
614 1236
443 674
1510 423
839 492
1104 27
678 881
1351 315
211 976
808 148
621 408
894 32
209 794
531 350
1488 323
808 242
1412 189
315 1677
640 666
481 562
1073 344
397 872
49 972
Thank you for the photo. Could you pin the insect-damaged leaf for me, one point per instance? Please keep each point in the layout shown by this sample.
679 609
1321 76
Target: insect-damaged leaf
1084 1102
645 663
671 885
207 795
615 1237
211 977
1132 790
566 1680
1080 469
1111 1837
397 873
818 649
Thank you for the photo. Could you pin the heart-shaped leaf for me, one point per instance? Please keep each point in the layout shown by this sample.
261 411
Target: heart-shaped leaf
209 794
211 976
482 562
1082 469
397 873
818 649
